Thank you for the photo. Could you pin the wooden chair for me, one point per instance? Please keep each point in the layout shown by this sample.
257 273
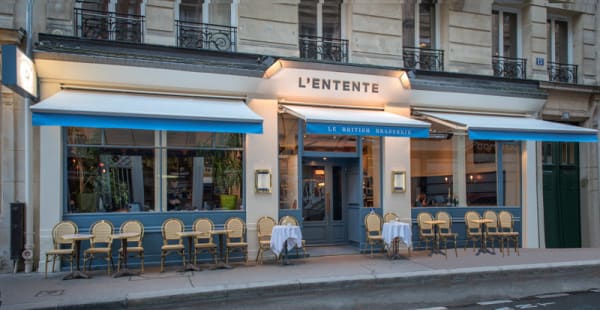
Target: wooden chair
445 233
507 232
204 242
373 222
492 232
264 229
172 241
472 230
236 237
293 221
390 216
61 247
100 243
136 247
426 232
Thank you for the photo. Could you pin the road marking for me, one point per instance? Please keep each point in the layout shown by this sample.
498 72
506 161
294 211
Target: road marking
494 302
552 295
596 290
433 308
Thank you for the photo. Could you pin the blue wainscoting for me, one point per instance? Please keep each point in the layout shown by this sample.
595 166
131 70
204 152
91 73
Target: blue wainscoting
152 241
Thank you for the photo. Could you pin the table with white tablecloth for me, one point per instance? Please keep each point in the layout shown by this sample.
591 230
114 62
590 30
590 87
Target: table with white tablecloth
393 232
285 238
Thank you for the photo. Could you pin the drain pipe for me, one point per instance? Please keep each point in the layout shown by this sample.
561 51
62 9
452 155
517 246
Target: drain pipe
27 137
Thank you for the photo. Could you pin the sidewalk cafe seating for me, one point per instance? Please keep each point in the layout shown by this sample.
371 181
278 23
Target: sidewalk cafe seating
134 244
100 244
204 242
236 237
373 223
491 230
293 221
61 247
473 230
506 221
426 232
445 233
172 241
390 216
264 228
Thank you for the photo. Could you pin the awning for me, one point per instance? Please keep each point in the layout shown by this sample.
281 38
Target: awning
357 122
145 111
485 127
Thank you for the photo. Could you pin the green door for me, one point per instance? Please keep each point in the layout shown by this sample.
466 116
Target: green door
562 223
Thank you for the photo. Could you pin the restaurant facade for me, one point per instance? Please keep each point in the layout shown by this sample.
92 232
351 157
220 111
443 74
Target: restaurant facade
136 128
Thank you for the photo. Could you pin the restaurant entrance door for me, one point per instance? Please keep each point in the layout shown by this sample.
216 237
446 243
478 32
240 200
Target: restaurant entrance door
324 203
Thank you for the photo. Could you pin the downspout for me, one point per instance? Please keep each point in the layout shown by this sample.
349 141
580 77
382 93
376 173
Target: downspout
27 137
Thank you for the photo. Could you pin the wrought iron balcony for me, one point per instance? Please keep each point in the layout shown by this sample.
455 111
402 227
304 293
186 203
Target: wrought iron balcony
109 26
206 36
320 48
565 73
423 58
507 67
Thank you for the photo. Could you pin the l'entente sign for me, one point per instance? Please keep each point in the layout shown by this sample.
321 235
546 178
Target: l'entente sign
338 85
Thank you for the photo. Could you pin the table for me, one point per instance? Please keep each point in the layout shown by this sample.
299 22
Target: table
221 233
435 249
483 245
124 236
189 266
77 274
392 233
285 238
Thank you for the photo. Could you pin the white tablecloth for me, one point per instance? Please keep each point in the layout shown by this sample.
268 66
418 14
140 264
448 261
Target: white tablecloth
392 230
281 233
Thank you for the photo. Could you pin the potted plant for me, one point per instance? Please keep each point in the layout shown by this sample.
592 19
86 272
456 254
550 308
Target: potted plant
87 175
227 169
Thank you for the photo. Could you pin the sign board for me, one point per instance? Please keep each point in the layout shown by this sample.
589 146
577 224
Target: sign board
18 72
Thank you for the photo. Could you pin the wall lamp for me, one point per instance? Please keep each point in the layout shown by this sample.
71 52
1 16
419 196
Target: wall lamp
398 181
262 180
405 78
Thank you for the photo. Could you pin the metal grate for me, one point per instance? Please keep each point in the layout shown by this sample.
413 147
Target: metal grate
320 48
206 36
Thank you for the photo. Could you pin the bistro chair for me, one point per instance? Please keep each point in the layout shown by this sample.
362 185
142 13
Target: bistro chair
473 230
507 223
264 229
445 233
390 216
426 232
61 247
172 241
100 243
236 237
204 242
134 244
293 221
492 233
373 222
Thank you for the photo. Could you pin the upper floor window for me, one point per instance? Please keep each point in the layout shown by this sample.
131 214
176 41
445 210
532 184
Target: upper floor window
320 30
119 20
420 35
205 24
505 44
560 67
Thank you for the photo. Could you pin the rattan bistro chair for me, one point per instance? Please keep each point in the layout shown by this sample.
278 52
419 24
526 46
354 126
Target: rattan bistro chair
507 231
62 247
172 241
472 230
204 242
373 222
426 232
264 229
100 243
445 233
390 216
492 232
293 221
134 244
236 237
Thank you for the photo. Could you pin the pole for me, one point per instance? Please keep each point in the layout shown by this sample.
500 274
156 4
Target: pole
27 134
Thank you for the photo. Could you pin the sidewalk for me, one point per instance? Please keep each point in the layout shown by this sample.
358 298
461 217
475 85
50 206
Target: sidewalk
32 291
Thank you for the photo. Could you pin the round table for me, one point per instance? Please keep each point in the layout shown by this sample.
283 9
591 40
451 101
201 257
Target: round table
124 236
77 274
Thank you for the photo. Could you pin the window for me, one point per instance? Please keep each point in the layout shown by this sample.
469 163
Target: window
288 161
560 67
420 36
114 170
505 45
206 24
320 30
371 152
119 20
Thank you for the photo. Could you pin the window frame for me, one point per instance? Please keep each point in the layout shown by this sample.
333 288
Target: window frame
551 54
417 31
519 48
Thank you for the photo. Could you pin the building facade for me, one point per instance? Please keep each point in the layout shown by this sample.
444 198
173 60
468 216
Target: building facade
155 109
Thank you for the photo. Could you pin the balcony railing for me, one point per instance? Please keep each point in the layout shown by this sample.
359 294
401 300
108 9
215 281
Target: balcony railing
323 48
507 67
206 36
565 73
423 58
109 26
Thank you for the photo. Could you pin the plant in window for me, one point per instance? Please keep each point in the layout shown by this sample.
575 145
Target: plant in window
84 160
227 169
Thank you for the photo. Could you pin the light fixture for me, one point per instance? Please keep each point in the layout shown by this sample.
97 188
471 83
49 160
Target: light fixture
398 181
405 78
565 116
273 68
262 180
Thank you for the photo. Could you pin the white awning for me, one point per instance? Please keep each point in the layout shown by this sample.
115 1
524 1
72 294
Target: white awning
145 111
357 122
485 127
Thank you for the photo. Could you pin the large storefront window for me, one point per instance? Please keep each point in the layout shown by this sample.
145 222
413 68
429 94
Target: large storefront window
371 171
288 161
113 170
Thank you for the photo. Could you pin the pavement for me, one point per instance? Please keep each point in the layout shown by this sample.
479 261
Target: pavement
534 271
